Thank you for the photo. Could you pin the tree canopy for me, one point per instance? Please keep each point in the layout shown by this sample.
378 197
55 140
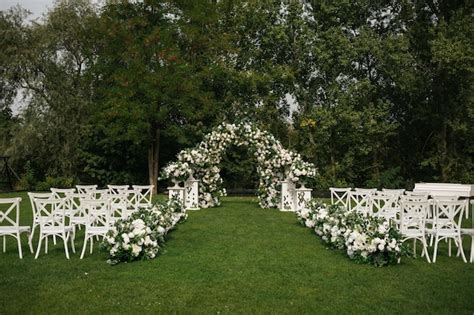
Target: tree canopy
373 93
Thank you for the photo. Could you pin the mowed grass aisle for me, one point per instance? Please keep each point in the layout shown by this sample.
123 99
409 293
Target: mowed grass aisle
235 258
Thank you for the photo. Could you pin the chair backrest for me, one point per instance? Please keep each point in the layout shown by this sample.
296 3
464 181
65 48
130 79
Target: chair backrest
414 196
413 216
445 198
396 192
10 211
84 189
384 206
75 204
117 189
449 214
340 196
143 195
62 192
98 212
50 212
34 196
366 190
359 202
100 194
119 204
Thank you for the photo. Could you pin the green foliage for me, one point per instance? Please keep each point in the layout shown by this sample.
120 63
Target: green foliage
373 93
55 182
27 180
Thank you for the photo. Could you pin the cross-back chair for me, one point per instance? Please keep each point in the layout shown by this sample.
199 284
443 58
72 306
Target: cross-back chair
10 223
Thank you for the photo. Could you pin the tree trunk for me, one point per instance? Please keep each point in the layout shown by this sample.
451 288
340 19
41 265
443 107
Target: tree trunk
153 154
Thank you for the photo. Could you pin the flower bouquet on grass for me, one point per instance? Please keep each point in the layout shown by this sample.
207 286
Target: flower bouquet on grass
365 239
142 235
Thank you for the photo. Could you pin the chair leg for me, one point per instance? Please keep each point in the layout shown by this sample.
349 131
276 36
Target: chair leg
4 243
414 248
435 248
472 250
32 232
30 244
46 247
65 245
72 243
449 247
54 239
425 250
18 239
84 246
39 246
92 243
458 243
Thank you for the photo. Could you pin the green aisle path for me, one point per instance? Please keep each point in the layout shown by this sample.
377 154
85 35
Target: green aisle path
235 258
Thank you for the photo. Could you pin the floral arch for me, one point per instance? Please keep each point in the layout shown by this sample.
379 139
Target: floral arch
274 164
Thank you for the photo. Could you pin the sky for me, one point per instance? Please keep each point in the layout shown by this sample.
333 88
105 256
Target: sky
37 7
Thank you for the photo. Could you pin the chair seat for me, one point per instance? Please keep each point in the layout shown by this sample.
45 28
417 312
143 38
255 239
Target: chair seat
14 229
413 233
55 229
451 232
97 230
79 220
467 232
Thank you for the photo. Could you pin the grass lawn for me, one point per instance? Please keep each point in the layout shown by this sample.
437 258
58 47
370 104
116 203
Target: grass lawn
234 258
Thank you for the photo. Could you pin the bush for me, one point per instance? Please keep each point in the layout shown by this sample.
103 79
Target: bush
142 235
27 180
55 182
365 239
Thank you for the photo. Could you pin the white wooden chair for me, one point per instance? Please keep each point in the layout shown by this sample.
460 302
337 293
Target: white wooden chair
10 223
412 224
447 224
98 221
53 222
117 189
85 189
359 202
33 197
340 196
119 204
384 206
143 195
75 211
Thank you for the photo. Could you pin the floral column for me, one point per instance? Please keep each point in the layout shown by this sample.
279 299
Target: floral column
176 192
191 194
287 195
303 196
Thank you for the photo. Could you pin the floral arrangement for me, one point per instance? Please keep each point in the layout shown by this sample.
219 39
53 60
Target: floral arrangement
274 163
365 239
142 235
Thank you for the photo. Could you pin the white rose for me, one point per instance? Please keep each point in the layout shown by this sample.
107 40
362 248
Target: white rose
136 249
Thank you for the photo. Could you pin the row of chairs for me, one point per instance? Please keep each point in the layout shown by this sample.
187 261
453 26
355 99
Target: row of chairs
57 214
413 213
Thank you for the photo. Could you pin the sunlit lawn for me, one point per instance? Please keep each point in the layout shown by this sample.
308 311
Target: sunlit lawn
234 258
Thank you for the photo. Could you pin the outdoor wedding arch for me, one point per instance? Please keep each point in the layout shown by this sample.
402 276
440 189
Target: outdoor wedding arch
282 173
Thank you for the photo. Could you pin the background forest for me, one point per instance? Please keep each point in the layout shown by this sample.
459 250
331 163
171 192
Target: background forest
375 93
